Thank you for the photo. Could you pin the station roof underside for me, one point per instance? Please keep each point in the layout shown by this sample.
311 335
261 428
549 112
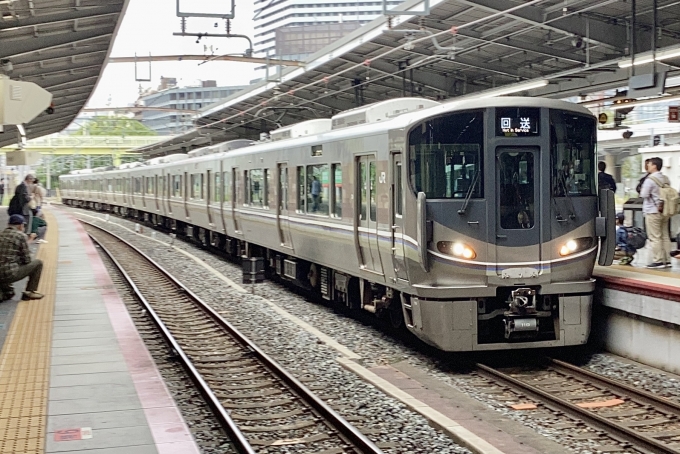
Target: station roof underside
61 45
461 48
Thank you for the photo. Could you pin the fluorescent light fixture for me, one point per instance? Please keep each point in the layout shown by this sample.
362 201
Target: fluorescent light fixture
514 88
647 57
644 102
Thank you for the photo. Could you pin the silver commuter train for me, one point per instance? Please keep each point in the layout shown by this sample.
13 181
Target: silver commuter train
476 221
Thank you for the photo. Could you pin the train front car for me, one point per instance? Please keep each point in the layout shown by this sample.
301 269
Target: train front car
505 198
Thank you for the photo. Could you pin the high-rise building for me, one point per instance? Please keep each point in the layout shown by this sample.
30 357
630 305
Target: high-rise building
187 100
294 29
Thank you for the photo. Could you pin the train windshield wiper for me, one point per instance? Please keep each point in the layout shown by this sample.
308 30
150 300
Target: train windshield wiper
469 193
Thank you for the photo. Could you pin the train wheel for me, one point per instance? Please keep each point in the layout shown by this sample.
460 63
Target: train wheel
313 276
395 315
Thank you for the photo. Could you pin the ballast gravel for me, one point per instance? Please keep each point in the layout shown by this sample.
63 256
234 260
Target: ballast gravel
390 424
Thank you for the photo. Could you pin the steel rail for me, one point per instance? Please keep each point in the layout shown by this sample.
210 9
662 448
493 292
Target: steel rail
236 436
640 395
351 433
637 439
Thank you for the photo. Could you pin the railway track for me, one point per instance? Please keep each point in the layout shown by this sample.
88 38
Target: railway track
260 405
620 418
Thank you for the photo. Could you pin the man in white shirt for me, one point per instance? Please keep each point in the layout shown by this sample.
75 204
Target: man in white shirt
656 223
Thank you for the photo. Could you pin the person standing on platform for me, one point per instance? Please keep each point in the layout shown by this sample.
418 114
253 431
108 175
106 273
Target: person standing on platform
604 180
15 261
38 193
2 190
656 223
638 188
23 194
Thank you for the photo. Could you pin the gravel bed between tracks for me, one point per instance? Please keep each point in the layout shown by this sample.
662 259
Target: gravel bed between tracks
375 347
209 436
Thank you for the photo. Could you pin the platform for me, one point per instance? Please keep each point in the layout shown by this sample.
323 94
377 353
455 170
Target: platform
637 311
74 374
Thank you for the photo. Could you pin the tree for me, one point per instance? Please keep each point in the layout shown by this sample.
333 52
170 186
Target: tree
114 126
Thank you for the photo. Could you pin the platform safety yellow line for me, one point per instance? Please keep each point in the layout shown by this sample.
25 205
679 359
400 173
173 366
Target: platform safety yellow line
25 360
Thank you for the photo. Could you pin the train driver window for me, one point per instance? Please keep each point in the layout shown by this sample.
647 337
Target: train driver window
446 156
572 154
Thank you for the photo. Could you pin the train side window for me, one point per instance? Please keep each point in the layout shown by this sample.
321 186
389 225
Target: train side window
363 191
138 185
302 189
226 176
149 185
373 189
197 186
177 185
256 188
318 178
246 186
337 190
283 188
398 189
267 185
217 189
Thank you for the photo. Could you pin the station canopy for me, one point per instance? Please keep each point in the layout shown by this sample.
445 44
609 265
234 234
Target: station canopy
61 45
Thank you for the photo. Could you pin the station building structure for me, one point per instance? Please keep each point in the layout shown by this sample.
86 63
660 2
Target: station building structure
186 100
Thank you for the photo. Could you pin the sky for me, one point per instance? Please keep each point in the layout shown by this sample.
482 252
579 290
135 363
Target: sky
148 27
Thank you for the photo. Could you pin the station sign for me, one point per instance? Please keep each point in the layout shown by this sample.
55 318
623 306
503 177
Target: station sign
673 114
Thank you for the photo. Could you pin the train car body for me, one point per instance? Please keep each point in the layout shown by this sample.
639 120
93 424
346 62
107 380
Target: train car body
478 222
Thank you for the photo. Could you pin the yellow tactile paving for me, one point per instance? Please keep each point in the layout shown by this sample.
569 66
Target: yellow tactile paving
25 361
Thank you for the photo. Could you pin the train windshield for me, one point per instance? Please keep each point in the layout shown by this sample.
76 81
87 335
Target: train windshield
446 156
572 154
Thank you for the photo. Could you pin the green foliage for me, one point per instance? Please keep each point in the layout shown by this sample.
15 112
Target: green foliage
114 126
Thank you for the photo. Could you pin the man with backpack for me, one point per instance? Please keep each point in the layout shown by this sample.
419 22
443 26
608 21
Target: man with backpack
659 204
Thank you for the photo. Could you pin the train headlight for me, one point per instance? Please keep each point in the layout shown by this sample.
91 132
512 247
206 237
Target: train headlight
456 249
576 245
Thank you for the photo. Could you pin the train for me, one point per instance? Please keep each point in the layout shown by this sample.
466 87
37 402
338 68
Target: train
475 223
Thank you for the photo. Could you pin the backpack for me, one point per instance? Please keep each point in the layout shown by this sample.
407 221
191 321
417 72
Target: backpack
669 199
15 206
636 237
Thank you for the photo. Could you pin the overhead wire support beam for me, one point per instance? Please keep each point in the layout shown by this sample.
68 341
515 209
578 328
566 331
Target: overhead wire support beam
206 58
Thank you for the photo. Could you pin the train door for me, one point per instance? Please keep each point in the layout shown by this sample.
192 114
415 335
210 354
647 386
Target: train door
518 220
366 230
397 212
168 194
157 192
236 194
225 196
282 206
209 195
